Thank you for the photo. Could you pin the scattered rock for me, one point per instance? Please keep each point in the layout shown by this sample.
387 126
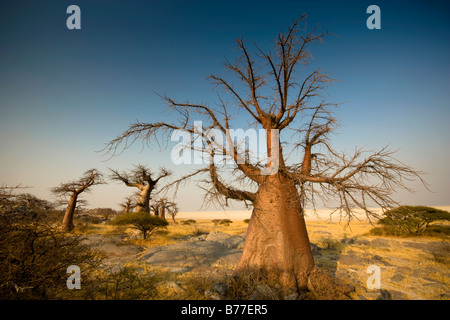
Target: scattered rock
348 241
361 242
397 278
230 259
379 243
233 242
351 259
217 236
173 285
114 249
220 288
292 296
263 292
391 295
212 295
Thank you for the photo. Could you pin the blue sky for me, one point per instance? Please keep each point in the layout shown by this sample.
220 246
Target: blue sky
65 93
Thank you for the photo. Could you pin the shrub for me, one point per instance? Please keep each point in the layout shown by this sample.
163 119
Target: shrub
129 283
188 222
141 221
34 258
224 222
409 220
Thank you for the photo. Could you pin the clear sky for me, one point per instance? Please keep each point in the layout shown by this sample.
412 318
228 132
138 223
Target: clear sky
65 93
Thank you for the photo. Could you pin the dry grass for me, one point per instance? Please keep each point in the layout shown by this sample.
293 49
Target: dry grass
425 267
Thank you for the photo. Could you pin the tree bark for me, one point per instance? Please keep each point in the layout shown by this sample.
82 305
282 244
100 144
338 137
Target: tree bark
277 241
143 203
67 223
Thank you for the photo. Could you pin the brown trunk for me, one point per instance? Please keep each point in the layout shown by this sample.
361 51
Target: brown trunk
162 212
143 203
306 165
67 223
277 241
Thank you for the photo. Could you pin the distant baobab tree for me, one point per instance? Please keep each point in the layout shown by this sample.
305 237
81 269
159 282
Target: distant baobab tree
73 189
163 205
128 204
277 91
142 178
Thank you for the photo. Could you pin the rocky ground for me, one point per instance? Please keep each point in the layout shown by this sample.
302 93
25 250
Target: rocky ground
410 268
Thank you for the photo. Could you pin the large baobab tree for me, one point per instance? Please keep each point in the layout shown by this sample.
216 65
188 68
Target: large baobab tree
142 178
277 91
73 189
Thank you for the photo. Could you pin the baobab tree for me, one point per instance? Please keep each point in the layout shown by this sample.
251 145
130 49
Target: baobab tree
73 189
276 91
163 205
142 178
128 204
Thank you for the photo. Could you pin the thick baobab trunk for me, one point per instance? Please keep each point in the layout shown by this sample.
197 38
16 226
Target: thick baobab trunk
277 241
67 223
143 203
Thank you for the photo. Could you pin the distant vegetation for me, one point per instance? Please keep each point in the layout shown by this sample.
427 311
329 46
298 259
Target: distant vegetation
224 222
412 221
141 221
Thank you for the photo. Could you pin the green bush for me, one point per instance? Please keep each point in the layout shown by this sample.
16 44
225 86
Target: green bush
409 220
141 221
225 222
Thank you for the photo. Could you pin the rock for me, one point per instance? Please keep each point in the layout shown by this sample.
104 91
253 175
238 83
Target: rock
212 295
379 260
173 285
114 249
263 292
391 295
348 241
347 288
379 243
232 242
217 236
350 259
292 296
201 237
192 254
230 259
220 288
361 242
184 254
397 278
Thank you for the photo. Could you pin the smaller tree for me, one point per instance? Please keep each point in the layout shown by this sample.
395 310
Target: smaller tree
128 204
141 221
411 220
142 178
73 189
163 205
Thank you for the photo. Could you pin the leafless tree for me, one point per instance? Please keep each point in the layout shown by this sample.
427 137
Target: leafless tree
142 178
163 205
73 189
276 92
128 204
